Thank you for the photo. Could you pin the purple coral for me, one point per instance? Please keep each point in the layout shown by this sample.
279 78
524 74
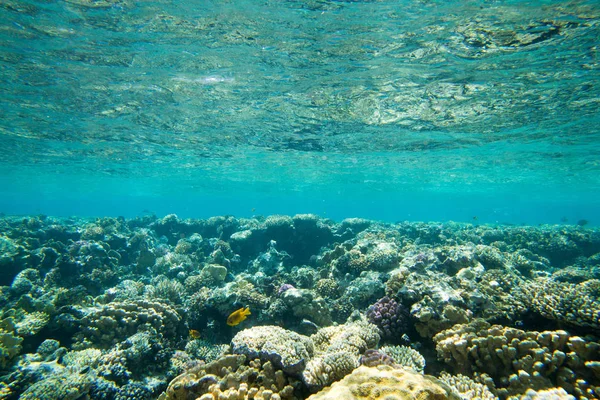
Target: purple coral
283 288
373 358
390 317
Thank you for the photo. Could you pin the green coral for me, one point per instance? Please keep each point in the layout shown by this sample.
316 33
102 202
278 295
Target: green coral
68 386
10 344
205 351
30 324
170 290
406 357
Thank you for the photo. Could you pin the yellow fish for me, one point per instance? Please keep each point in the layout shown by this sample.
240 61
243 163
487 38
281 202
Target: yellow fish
238 316
194 334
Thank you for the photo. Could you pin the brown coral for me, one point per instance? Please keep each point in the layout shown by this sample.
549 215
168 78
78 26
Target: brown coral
233 377
384 382
575 304
518 360
109 324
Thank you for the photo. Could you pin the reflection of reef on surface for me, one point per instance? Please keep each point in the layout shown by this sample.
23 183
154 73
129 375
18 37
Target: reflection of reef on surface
137 309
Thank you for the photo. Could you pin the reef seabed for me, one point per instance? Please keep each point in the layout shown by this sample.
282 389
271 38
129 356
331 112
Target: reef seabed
115 308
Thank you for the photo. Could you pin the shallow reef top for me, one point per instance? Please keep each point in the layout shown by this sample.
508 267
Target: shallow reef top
137 308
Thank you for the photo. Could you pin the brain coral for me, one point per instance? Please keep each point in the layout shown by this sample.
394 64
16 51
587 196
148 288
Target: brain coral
384 382
285 349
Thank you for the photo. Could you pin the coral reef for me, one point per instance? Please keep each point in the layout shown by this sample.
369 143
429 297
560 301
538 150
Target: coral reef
573 304
390 317
385 382
337 352
467 388
10 344
518 360
119 307
405 356
285 349
109 324
232 377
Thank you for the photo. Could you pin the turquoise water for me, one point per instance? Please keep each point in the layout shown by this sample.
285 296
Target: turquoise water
393 110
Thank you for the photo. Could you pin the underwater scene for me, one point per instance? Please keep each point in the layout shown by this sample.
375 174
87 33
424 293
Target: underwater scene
299 199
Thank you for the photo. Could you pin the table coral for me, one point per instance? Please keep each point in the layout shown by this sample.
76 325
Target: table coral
355 337
368 253
384 382
549 394
205 351
327 368
304 303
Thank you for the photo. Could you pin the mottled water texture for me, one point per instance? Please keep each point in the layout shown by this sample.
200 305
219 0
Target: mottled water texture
359 96
105 307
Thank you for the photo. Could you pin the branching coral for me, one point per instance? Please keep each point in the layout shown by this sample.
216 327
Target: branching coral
390 317
405 356
107 325
575 304
338 349
467 388
10 343
518 360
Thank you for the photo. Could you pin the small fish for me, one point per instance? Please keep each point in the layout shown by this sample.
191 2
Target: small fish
194 334
238 316
475 218
254 209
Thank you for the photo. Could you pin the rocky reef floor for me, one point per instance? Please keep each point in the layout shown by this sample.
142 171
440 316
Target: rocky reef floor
115 308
